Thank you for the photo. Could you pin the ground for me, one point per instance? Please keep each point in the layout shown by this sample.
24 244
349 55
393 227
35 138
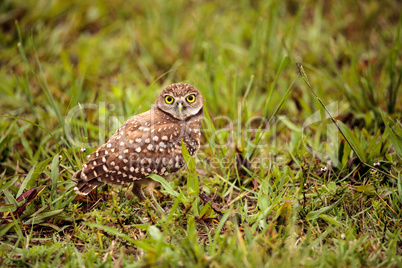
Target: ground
301 156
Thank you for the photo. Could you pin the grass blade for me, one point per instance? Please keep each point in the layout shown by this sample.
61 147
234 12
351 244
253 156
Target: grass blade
26 181
165 184
54 174
192 179
352 139
315 214
111 231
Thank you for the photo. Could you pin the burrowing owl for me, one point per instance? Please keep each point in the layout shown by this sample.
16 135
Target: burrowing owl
148 143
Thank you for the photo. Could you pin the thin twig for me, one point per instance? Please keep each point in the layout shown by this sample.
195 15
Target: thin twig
305 79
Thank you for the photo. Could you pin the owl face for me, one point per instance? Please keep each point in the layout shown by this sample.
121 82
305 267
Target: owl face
180 101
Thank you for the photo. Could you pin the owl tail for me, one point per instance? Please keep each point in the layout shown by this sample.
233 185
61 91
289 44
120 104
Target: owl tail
84 186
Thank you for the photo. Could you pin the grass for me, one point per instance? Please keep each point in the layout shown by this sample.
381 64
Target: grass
295 170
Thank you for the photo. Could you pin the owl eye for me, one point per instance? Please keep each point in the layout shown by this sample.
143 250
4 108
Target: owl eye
169 99
191 98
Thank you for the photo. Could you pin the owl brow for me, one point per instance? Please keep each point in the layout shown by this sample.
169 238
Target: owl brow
191 93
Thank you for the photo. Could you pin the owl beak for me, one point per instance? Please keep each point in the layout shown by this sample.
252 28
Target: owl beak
180 107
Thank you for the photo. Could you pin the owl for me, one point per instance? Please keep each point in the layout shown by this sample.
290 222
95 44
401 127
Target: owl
147 143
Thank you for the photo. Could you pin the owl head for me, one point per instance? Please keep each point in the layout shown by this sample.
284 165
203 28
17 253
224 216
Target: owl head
180 100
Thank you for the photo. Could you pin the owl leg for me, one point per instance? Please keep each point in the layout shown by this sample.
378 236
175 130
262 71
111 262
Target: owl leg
137 190
149 192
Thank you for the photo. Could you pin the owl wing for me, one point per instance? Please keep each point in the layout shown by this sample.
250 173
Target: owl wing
140 147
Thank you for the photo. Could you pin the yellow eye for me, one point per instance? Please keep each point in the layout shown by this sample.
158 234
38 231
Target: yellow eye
191 98
169 99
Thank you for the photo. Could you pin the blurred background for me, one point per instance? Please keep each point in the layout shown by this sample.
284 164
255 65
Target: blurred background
56 54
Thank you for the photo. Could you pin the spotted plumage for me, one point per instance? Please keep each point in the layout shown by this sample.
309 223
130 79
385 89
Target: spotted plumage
148 143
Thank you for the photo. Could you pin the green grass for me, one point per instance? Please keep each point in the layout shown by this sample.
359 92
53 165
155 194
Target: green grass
277 182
